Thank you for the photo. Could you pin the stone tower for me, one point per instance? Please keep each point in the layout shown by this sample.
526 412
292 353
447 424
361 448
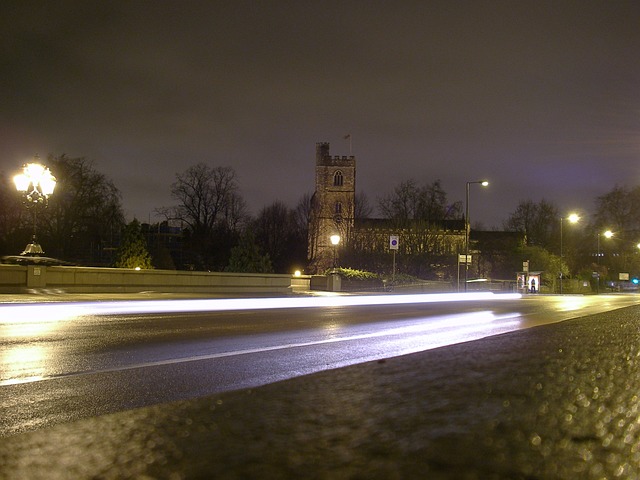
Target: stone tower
333 206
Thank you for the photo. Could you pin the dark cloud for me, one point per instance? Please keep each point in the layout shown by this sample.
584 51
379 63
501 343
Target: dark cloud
540 97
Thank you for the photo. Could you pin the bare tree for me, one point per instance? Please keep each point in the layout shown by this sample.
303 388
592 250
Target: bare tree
363 208
210 205
208 198
85 214
538 221
402 204
410 202
305 211
302 214
433 206
618 209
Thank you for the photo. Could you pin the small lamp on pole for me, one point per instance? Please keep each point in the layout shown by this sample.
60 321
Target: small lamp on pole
573 218
607 234
467 225
335 240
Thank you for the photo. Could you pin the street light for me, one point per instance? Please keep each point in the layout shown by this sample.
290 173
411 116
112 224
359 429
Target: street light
573 218
607 234
335 240
467 225
36 183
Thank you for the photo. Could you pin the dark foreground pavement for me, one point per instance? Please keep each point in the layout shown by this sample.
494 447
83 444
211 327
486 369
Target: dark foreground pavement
553 402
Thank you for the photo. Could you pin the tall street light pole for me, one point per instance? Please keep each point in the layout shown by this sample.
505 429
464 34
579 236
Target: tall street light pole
573 218
467 225
607 234
36 183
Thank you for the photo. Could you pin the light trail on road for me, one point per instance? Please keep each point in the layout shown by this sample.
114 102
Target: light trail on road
60 311
61 361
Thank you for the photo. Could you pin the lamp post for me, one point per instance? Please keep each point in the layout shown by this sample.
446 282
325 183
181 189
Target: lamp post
573 218
36 183
335 240
467 225
607 234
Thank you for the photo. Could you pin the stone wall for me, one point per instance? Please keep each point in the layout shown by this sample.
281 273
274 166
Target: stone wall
20 279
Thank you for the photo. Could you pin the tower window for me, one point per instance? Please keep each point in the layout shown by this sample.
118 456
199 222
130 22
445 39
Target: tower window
338 208
338 179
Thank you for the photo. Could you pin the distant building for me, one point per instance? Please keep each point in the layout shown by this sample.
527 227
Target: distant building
333 212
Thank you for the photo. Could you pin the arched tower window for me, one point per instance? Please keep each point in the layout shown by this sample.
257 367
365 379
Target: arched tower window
338 179
338 208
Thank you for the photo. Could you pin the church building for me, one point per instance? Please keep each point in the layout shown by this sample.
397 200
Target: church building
333 206
333 214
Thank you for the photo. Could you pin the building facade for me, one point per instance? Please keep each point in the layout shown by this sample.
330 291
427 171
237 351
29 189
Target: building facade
332 206
333 212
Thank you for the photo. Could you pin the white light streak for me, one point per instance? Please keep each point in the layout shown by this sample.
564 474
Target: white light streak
60 311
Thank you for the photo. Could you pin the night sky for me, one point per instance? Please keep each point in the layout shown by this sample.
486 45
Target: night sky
542 98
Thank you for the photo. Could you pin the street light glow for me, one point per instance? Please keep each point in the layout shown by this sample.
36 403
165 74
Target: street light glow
573 218
39 178
22 182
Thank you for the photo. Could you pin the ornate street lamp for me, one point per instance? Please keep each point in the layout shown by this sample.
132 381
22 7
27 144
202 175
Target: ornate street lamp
36 183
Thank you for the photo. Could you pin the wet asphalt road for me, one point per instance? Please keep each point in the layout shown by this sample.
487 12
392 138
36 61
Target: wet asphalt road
557 401
65 362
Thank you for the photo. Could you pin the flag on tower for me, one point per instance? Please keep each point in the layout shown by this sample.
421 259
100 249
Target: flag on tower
348 137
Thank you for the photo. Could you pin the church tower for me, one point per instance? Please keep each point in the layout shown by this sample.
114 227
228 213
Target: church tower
333 206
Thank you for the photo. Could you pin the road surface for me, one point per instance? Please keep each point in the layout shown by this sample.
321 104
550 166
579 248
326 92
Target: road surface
67 361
